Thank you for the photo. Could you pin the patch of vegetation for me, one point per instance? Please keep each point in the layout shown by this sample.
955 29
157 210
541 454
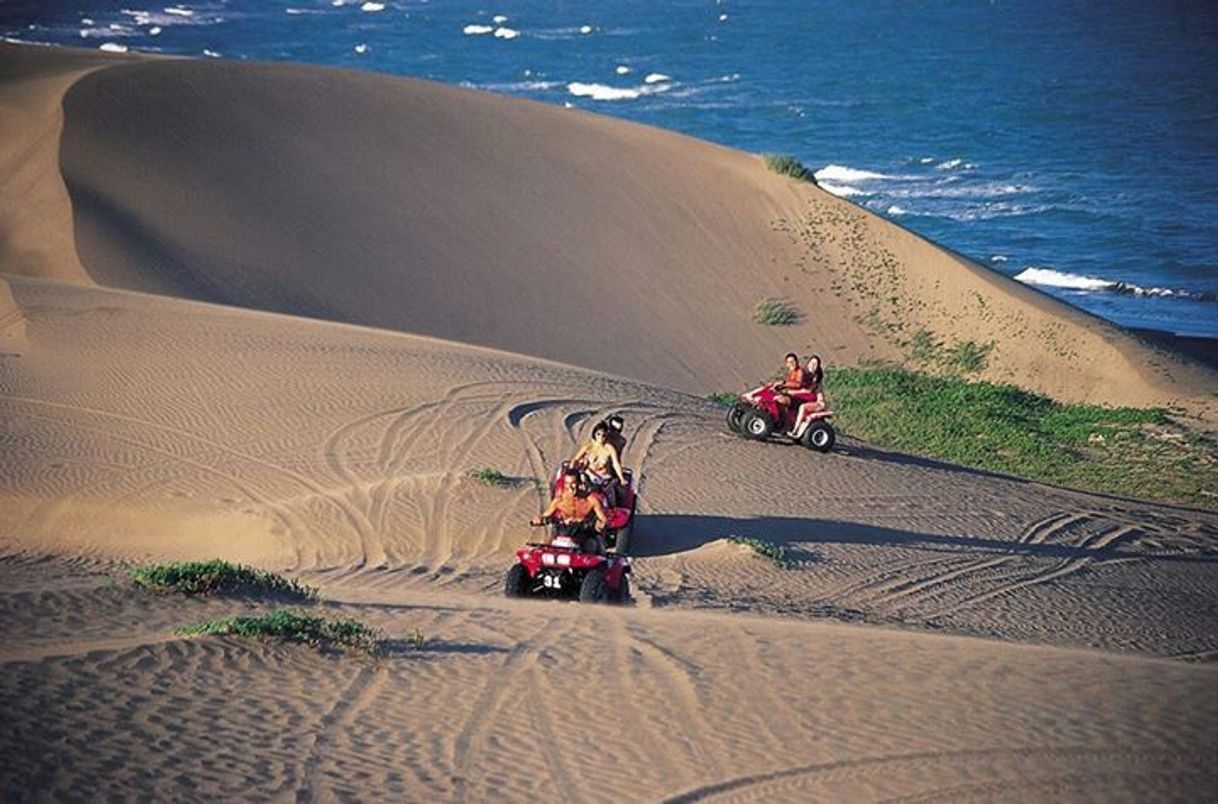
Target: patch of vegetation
788 165
962 357
289 626
968 357
491 477
776 553
723 398
1002 428
216 576
775 313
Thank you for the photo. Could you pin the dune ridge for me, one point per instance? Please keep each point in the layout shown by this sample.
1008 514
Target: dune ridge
462 215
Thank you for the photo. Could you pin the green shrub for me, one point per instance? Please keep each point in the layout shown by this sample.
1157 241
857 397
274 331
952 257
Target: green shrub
1006 429
723 398
788 165
774 552
775 313
216 576
491 477
289 626
968 357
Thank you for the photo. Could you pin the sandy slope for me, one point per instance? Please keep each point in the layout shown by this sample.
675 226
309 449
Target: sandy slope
138 427
538 230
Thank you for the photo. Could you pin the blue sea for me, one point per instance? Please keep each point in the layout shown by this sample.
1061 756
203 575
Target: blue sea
1071 145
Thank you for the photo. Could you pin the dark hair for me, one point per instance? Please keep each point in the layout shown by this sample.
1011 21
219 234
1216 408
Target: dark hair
601 427
792 354
570 471
819 375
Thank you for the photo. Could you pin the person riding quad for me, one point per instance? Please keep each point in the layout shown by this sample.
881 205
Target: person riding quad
572 506
795 386
602 463
615 437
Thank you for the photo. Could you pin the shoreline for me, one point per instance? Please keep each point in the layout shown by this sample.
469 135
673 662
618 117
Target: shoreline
1202 349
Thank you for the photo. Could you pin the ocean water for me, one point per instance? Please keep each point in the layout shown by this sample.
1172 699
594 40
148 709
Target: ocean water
1071 145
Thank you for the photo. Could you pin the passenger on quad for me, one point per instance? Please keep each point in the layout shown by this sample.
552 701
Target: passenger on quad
811 398
602 463
615 437
572 507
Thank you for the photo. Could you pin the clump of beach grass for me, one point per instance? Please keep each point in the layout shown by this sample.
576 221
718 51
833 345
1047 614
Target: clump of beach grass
723 398
1002 428
775 553
491 477
217 577
324 634
775 313
788 165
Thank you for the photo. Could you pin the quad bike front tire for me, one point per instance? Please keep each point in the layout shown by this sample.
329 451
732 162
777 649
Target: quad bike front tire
758 425
819 436
735 418
594 588
516 584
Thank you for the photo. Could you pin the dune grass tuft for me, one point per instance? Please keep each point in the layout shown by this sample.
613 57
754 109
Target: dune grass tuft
490 477
788 165
289 626
776 553
217 577
723 398
775 313
1002 428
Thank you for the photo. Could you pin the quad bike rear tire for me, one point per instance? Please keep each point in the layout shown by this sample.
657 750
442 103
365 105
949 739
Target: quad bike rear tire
623 590
758 425
516 584
819 436
594 588
735 418
621 541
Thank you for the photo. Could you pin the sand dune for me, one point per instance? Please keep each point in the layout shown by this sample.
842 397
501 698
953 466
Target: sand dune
458 214
941 633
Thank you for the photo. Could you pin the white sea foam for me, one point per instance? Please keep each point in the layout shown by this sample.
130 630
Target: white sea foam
926 160
179 11
211 54
950 164
155 30
656 78
506 33
499 19
476 30
585 29
112 47
842 173
998 258
1047 277
601 92
895 211
622 69
361 48
722 18
841 190
372 8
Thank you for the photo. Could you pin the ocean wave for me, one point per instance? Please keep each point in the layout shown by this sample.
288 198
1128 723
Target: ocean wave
173 15
841 190
601 92
847 174
896 211
1047 277
477 30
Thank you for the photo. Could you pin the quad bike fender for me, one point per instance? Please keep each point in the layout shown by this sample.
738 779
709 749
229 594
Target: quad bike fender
615 570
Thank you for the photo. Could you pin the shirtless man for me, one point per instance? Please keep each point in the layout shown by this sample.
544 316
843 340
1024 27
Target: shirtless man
572 506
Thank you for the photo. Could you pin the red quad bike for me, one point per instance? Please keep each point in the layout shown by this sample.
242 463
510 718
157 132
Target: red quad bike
572 565
758 415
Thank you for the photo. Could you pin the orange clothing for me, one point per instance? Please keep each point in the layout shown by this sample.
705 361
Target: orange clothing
797 379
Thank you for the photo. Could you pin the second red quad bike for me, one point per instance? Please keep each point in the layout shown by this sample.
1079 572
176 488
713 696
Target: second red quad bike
758 415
